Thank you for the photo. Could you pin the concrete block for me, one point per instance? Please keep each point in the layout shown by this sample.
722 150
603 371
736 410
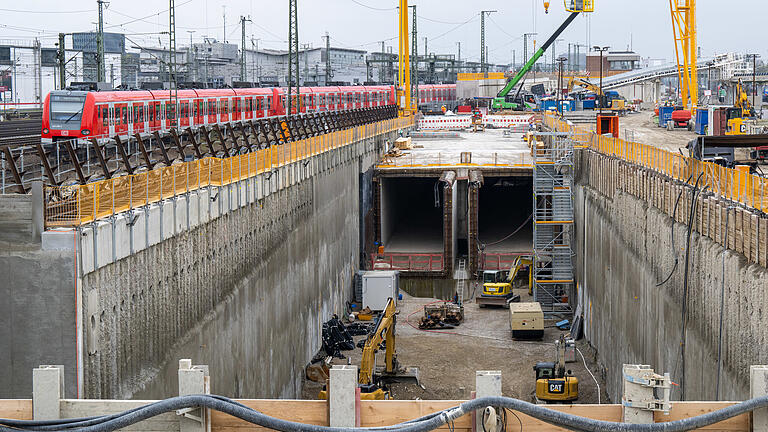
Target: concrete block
636 393
180 221
167 219
86 248
194 380
341 396
487 384
194 209
58 239
47 392
104 252
139 220
758 386
38 218
154 226
122 236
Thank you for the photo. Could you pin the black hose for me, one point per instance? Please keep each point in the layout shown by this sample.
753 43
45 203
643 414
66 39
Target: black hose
424 424
691 216
672 236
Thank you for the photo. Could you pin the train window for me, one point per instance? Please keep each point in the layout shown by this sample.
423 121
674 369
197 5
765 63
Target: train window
105 116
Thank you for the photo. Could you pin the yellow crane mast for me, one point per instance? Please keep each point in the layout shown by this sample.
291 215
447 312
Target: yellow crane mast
404 63
684 29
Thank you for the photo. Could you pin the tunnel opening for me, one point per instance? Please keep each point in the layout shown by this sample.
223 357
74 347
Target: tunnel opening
505 226
412 215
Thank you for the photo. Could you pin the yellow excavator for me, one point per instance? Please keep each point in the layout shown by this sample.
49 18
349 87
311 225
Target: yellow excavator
369 380
737 115
497 284
553 382
617 104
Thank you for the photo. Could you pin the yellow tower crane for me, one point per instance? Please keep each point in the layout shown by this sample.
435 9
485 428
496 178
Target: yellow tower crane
684 29
404 102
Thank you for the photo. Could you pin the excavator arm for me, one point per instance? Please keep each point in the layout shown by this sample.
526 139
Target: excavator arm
384 332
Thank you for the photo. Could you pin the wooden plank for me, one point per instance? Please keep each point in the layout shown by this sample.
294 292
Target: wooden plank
763 242
385 413
303 411
754 255
691 409
17 409
75 408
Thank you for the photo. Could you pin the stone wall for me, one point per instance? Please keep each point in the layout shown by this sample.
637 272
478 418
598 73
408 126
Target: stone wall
244 289
628 244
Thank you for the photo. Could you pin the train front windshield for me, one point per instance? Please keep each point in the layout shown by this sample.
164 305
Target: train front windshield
67 110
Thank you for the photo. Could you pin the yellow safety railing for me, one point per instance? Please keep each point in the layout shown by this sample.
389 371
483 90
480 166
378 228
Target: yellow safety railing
76 205
732 184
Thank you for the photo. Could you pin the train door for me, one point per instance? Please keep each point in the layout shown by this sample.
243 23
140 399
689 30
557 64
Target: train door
121 119
248 113
136 125
236 107
102 121
198 112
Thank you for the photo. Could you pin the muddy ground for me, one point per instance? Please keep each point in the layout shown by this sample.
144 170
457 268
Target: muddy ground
447 361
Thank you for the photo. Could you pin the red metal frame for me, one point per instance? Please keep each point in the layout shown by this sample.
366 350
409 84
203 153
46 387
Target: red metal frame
416 262
499 261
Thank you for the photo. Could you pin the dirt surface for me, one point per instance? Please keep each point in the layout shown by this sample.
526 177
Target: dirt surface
641 127
447 361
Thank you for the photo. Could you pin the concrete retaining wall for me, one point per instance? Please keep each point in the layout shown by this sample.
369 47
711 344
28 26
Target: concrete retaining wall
625 249
242 285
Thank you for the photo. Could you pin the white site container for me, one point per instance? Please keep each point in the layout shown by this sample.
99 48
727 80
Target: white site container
378 287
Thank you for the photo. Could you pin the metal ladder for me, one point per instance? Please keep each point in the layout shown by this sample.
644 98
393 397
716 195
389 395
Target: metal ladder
461 277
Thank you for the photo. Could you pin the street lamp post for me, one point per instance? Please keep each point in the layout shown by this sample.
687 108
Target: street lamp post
602 94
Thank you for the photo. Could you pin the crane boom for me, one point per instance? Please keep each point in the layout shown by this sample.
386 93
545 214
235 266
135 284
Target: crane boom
500 101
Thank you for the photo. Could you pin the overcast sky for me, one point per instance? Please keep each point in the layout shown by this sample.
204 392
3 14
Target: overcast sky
362 24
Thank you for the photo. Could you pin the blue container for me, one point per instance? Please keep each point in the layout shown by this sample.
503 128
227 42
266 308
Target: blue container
549 105
665 115
589 104
702 121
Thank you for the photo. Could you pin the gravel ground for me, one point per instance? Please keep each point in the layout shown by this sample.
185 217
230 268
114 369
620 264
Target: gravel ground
447 361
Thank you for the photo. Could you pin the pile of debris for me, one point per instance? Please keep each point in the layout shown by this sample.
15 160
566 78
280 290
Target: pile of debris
442 316
337 337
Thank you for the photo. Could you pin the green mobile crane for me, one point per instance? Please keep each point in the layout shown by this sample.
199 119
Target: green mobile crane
504 100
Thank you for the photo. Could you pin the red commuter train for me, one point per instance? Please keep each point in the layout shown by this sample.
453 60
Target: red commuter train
83 115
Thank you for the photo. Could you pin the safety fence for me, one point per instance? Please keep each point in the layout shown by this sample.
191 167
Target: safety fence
79 204
500 261
414 262
733 184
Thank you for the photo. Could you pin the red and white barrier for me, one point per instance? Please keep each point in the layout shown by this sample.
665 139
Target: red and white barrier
445 122
505 121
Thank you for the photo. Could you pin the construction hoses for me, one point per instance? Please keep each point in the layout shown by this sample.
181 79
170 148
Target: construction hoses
423 424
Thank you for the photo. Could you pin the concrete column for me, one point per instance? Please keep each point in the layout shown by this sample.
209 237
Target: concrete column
341 396
758 386
487 384
38 217
47 391
636 393
194 380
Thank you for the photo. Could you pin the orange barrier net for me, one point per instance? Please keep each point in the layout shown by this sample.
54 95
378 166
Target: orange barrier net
76 205
732 184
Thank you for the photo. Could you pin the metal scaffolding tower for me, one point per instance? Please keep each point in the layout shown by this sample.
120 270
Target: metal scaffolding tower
553 221
172 79
293 56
